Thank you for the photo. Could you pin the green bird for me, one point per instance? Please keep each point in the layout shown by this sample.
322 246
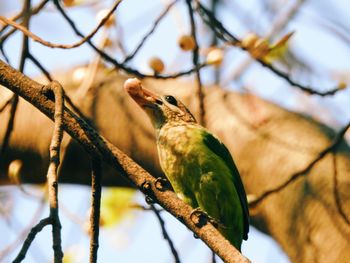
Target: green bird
198 166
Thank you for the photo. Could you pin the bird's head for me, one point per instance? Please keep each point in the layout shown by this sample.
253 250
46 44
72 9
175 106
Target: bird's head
160 109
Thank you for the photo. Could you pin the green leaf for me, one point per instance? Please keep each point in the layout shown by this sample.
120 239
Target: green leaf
116 205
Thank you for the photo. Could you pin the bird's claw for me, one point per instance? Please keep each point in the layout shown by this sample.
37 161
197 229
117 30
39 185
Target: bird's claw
162 184
199 217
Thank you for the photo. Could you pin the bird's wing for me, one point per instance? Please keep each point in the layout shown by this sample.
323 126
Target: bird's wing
221 151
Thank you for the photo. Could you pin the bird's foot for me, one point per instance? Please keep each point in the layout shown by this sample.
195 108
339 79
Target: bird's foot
199 217
162 184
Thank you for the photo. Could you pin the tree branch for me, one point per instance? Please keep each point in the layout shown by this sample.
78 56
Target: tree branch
96 178
165 234
150 32
31 236
24 56
337 139
195 60
222 33
97 146
114 62
62 46
33 11
52 177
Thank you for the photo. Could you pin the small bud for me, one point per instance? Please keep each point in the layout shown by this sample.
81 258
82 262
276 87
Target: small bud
108 42
342 85
156 64
260 49
68 3
102 14
186 42
249 40
215 56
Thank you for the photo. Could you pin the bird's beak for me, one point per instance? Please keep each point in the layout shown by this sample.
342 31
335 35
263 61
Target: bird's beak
143 97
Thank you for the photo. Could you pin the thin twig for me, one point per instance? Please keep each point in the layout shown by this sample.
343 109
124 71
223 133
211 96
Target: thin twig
115 63
52 177
4 37
280 21
195 60
10 124
24 56
74 107
222 33
33 11
40 66
24 232
165 234
150 32
213 257
3 53
214 42
62 46
337 139
96 178
31 236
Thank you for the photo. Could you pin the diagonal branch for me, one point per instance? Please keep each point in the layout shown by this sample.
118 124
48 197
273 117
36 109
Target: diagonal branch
113 61
36 9
97 146
165 234
62 46
222 33
40 66
337 139
31 236
280 21
150 32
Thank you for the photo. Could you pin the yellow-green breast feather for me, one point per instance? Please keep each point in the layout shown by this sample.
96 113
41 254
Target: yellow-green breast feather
202 172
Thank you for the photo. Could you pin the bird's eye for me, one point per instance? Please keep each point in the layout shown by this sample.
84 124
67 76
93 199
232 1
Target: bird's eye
171 100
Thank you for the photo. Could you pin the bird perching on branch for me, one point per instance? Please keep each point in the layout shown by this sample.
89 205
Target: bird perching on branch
198 166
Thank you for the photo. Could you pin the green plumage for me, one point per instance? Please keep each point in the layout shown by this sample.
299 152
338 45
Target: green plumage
197 164
203 174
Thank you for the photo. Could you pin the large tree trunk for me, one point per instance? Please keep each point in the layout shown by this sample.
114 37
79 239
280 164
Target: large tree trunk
309 217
